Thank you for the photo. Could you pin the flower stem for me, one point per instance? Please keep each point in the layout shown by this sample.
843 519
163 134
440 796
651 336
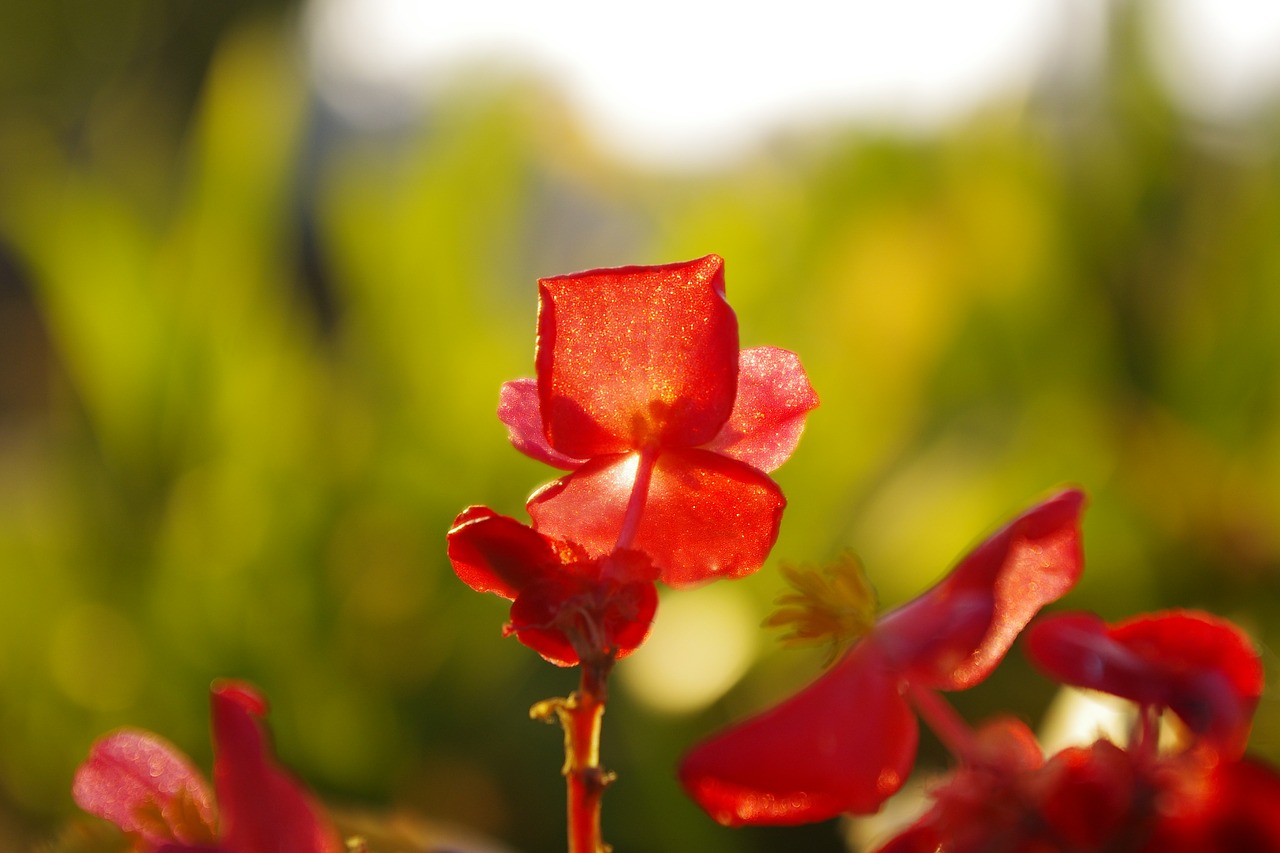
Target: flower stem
580 716
943 721
639 495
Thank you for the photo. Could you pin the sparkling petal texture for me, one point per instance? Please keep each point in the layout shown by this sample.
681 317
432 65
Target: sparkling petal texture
774 395
495 553
843 744
1202 668
521 410
952 637
636 356
144 785
706 516
263 809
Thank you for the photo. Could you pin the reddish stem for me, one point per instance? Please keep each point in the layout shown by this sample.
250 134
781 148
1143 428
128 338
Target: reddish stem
942 719
580 715
639 496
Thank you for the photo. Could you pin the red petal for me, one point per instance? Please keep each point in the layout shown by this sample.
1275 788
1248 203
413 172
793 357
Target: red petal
144 785
263 809
1202 668
843 744
520 409
495 553
706 516
551 615
956 633
635 356
774 395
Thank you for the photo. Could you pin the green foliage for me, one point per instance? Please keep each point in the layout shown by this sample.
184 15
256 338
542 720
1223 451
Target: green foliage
207 470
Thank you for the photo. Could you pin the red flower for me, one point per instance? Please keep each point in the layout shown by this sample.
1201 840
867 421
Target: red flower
668 430
847 741
144 785
1202 668
1205 797
566 606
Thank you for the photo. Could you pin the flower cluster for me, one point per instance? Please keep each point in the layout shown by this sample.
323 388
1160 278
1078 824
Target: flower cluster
144 785
847 742
668 433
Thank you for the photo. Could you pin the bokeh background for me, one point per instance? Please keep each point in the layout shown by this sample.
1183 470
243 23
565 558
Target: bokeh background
251 339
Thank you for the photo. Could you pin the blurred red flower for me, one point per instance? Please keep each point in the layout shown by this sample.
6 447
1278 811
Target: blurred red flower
847 741
1205 796
144 785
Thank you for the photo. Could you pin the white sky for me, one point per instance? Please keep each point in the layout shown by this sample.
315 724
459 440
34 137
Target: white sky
695 80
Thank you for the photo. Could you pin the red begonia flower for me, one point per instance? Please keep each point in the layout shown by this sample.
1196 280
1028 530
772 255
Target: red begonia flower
640 381
1100 799
144 785
847 741
566 605
1202 668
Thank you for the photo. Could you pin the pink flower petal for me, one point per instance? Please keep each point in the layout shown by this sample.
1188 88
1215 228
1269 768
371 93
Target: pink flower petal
774 395
520 409
636 356
264 810
706 516
843 744
952 636
144 785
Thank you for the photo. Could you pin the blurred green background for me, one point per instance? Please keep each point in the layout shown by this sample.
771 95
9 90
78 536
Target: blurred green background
249 362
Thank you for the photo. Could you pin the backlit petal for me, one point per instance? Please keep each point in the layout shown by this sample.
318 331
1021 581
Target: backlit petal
264 810
774 395
706 516
144 785
843 744
956 633
520 409
636 356
495 553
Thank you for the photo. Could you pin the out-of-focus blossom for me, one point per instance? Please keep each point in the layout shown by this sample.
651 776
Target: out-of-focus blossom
848 741
144 785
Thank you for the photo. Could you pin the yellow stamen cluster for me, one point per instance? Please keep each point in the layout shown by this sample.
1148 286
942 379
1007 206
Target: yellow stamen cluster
834 605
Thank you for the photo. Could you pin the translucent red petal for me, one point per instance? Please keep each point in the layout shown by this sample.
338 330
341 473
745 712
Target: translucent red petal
706 516
952 636
495 553
774 396
264 810
634 356
843 744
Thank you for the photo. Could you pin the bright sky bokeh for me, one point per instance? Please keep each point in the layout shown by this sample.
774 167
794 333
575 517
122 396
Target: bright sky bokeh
692 81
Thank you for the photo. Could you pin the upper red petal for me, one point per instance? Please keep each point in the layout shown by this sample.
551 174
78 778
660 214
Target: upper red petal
774 395
705 517
1202 668
634 356
264 810
843 744
521 410
952 636
495 553
144 785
